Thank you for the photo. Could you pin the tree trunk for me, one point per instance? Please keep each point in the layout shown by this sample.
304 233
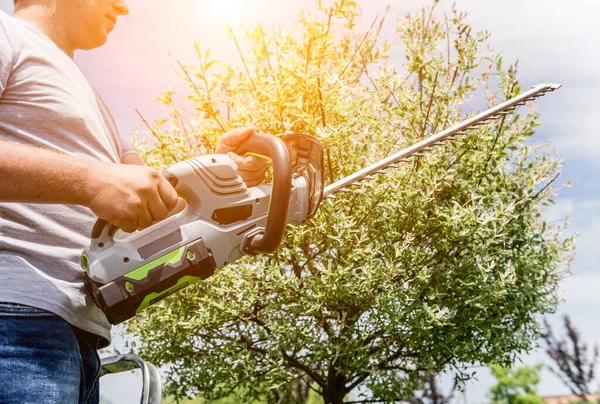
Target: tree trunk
332 396
335 390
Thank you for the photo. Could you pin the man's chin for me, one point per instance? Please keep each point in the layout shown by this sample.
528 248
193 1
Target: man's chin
94 42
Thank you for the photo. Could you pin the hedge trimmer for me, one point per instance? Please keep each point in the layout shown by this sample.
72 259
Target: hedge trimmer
225 220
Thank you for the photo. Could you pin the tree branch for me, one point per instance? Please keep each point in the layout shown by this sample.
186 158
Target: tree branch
299 365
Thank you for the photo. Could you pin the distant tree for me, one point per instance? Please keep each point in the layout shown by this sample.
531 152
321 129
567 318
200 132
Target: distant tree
574 364
516 386
445 260
433 392
297 391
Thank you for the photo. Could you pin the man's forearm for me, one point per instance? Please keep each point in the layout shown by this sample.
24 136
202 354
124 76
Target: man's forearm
31 174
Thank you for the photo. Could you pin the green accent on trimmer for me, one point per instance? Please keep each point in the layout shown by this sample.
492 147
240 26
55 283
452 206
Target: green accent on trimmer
155 297
84 262
142 272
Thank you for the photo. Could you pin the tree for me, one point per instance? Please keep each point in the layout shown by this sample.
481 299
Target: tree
575 367
439 262
516 386
433 392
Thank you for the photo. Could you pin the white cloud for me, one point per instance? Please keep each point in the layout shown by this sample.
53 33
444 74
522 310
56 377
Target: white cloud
581 291
585 215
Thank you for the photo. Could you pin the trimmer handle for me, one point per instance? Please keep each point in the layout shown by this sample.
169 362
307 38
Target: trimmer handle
275 149
262 241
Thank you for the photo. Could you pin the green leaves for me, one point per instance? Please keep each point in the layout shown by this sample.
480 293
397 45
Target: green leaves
516 386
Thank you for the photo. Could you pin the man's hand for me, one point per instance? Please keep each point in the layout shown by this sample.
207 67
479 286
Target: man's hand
252 169
131 197
134 196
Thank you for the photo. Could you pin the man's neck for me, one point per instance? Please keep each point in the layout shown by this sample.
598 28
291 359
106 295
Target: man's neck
45 19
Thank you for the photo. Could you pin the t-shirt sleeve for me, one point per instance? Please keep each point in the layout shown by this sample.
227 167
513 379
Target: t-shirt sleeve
6 58
126 147
123 141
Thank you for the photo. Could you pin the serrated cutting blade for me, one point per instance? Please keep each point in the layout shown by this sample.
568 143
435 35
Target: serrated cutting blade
436 140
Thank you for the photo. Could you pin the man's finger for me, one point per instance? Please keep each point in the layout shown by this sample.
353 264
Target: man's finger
181 204
254 163
157 207
128 226
232 139
252 183
253 177
144 219
238 160
248 163
168 194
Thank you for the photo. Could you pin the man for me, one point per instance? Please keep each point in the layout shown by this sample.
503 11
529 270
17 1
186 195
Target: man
62 165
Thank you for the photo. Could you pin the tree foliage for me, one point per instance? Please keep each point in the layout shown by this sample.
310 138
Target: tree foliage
516 386
442 261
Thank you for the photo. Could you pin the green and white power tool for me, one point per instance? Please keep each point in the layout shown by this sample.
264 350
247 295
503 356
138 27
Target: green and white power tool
223 220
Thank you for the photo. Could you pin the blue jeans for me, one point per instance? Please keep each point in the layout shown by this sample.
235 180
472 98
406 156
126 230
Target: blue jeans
43 359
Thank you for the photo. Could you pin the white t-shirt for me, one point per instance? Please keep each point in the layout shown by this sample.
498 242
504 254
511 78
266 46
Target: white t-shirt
46 101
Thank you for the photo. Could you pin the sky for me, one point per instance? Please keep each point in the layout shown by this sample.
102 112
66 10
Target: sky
553 40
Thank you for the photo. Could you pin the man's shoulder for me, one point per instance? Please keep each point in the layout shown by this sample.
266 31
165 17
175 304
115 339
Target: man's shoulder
6 20
9 29
27 42
18 32
6 52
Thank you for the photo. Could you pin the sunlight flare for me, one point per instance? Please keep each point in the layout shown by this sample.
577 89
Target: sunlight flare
228 11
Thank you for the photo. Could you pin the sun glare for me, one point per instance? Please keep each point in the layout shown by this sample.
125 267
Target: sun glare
228 11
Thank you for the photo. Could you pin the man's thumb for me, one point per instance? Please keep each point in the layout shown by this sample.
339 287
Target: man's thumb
231 140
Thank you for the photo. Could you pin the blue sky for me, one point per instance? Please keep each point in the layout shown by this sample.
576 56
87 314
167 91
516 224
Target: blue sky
554 41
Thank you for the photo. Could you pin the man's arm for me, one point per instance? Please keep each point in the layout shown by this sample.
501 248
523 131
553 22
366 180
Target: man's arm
130 198
30 174
133 158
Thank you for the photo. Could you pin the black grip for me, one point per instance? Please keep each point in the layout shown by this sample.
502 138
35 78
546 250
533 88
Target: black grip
274 148
99 227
